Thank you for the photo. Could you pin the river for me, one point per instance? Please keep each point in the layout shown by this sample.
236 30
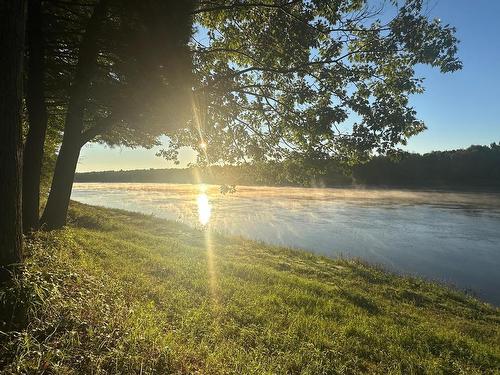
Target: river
445 236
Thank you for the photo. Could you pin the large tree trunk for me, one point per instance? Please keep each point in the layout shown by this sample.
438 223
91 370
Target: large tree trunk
37 115
56 209
12 26
54 215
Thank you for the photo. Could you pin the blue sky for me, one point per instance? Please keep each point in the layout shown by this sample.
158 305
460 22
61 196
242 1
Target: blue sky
459 109
463 108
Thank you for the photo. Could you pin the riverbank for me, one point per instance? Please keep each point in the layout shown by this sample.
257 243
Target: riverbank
445 236
117 292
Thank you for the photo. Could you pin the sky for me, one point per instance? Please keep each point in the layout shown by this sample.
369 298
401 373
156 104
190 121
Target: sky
459 109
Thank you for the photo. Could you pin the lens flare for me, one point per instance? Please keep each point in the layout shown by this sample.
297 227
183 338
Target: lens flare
204 209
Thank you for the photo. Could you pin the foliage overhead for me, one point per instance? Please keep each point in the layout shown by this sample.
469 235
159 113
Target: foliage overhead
139 87
317 77
262 80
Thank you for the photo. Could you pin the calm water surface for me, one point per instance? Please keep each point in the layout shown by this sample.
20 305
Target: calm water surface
450 237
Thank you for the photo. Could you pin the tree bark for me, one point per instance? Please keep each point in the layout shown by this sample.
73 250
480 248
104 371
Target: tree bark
54 215
12 28
37 116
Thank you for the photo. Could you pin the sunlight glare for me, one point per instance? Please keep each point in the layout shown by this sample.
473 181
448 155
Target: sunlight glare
204 209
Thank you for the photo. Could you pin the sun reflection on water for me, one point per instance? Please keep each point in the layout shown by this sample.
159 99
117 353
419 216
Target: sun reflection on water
204 209
204 213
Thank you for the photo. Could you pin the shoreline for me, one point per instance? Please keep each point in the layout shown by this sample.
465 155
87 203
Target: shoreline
116 291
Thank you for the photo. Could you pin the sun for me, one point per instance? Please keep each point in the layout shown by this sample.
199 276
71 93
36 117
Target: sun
204 209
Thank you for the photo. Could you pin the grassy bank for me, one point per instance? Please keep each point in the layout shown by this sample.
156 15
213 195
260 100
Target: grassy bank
117 292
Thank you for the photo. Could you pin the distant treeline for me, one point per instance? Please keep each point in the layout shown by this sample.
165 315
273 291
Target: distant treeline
474 167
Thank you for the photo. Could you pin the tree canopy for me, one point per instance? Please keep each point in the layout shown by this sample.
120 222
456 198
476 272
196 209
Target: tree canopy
322 78
139 80
268 78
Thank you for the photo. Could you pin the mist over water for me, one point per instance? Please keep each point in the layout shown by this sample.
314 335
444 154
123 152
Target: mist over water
446 236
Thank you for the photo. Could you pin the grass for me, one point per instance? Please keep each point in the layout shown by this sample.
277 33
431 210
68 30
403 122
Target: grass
122 293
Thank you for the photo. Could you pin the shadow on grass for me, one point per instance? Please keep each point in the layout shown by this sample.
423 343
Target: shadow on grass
361 302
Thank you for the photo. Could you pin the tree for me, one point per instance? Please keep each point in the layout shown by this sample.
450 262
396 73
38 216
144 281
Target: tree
37 117
474 167
318 78
129 75
12 26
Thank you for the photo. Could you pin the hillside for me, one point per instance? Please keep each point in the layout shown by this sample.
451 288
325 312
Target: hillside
116 292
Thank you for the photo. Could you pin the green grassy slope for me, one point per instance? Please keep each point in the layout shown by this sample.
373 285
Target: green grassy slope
117 292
